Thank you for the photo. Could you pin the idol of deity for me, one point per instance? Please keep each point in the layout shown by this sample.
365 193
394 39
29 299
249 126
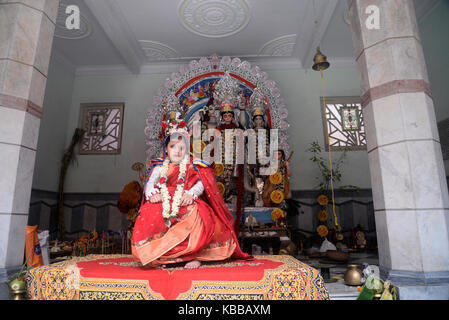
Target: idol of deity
258 119
259 131
227 173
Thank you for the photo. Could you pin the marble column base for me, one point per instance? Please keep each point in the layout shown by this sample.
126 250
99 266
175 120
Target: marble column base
6 273
413 241
411 278
4 291
429 292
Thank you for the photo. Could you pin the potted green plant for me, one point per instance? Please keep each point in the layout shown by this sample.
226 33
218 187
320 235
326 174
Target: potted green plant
325 172
325 178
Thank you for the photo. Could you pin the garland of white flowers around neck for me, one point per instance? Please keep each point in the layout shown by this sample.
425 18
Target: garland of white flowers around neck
167 212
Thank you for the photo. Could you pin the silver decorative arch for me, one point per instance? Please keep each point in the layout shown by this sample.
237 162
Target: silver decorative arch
212 68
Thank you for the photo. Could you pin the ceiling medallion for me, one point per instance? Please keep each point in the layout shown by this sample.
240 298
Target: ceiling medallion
61 30
155 51
279 47
214 18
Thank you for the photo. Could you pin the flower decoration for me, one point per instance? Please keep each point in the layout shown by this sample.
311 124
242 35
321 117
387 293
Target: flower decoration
174 125
322 231
276 178
221 187
277 215
218 169
170 212
323 200
198 146
277 196
323 215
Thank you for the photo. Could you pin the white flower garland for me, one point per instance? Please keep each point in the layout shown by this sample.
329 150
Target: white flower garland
167 212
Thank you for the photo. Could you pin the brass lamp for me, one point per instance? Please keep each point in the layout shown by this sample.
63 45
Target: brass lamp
320 61
138 166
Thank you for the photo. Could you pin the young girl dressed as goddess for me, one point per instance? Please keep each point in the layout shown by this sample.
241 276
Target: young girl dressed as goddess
183 217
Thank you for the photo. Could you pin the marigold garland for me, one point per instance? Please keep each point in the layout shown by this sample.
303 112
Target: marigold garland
322 231
323 215
218 169
277 196
277 215
221 187
276 178
323 200
198 146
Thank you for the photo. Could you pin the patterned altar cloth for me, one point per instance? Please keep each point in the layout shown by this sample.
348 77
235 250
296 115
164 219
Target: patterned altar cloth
120 277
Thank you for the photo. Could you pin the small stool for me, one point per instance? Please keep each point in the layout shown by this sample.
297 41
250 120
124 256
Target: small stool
325 272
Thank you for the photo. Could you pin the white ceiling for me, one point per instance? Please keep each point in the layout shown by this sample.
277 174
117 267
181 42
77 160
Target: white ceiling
138 35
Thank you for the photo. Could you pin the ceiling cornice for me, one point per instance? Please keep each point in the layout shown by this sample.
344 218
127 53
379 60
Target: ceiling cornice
269 63
114 24
103 70
422 8
264 63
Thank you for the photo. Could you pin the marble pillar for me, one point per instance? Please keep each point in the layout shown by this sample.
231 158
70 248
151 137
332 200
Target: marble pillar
26 37
410 192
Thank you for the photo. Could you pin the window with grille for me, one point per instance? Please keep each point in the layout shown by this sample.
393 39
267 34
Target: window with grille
102 123
343 122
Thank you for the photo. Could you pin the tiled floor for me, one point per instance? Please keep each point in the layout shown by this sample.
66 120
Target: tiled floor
4 291
338 290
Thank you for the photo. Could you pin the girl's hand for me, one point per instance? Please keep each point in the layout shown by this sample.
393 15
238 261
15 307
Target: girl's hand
186 200
156 198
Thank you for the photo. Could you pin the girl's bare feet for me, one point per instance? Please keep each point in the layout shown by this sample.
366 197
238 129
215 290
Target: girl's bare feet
194 264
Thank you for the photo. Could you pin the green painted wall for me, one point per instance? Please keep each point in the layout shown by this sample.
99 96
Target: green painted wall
435 40
53 127
110 173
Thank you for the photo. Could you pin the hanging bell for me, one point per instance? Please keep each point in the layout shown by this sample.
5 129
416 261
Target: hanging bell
320 61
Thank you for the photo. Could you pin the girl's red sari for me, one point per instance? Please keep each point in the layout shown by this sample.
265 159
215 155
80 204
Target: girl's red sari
202 231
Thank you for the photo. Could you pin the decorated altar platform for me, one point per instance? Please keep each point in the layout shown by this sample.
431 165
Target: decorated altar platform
120 277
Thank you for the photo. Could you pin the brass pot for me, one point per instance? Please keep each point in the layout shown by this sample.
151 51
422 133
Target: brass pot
353 275
18 294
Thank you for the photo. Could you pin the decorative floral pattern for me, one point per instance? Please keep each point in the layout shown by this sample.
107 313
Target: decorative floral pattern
214 18
291 279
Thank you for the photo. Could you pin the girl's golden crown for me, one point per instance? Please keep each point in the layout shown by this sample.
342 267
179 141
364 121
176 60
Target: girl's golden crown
174 124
